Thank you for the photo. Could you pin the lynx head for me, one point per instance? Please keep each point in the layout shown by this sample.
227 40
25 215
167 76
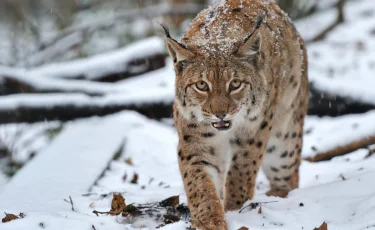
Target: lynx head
218 87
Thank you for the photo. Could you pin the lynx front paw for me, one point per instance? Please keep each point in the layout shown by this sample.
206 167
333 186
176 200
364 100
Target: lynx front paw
211 224
277 192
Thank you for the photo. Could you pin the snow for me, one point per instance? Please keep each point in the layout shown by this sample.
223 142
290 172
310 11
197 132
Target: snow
77 164
327 133
55 50
103 64
343 63
345 204
162 79
3 180
141 97
156 86
24 140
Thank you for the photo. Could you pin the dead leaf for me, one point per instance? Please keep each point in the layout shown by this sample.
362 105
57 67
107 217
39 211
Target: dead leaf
171 201
342 177
324 226
134 179
118 204
260 210
129 161
9 217
243 228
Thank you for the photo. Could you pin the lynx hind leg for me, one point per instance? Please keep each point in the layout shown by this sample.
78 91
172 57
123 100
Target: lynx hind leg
282 159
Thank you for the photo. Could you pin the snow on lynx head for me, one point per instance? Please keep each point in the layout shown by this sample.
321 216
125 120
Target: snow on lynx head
217 80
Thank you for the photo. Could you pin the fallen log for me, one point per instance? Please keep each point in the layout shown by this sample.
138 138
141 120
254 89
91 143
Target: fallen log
64 107
325 104
70 112
342 149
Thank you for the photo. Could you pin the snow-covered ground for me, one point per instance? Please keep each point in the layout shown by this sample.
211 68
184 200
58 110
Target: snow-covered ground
337 132
340 192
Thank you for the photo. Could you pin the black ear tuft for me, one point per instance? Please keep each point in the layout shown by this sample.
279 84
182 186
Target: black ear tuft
257 26
166 30
259 21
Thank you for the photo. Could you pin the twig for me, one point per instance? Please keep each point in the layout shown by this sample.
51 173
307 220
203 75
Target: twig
98 212
371 151
339 20
255 205
70 202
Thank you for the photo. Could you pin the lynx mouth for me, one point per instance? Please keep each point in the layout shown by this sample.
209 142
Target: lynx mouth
222 125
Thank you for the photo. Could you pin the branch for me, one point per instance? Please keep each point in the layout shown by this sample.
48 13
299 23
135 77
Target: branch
130 16
56 49
139 57
339 20
343 149
70 202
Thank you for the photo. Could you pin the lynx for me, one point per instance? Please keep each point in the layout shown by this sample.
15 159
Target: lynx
241 99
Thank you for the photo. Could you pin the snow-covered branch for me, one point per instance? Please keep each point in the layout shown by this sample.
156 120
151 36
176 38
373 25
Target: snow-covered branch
56 49
140 57
149 12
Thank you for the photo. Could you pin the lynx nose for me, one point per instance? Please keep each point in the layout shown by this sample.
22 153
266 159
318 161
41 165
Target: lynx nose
221 115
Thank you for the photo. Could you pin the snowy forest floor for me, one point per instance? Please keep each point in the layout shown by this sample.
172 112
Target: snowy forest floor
91 159
339 192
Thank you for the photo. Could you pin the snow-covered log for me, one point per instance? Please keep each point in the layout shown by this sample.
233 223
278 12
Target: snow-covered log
329 137
64 107
55 50
342 149
322 103
140 57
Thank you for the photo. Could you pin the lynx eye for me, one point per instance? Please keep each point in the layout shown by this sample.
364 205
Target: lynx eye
235 84
202 86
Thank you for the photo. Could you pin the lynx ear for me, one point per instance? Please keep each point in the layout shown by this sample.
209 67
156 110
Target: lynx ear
252 42
177 50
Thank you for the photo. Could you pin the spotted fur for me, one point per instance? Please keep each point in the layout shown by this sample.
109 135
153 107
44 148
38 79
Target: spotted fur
255 43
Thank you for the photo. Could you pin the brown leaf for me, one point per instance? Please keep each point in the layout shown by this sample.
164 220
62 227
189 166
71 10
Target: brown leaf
118 204
134 179
171 201
129 161
243 228
324 226
9 217
260 210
